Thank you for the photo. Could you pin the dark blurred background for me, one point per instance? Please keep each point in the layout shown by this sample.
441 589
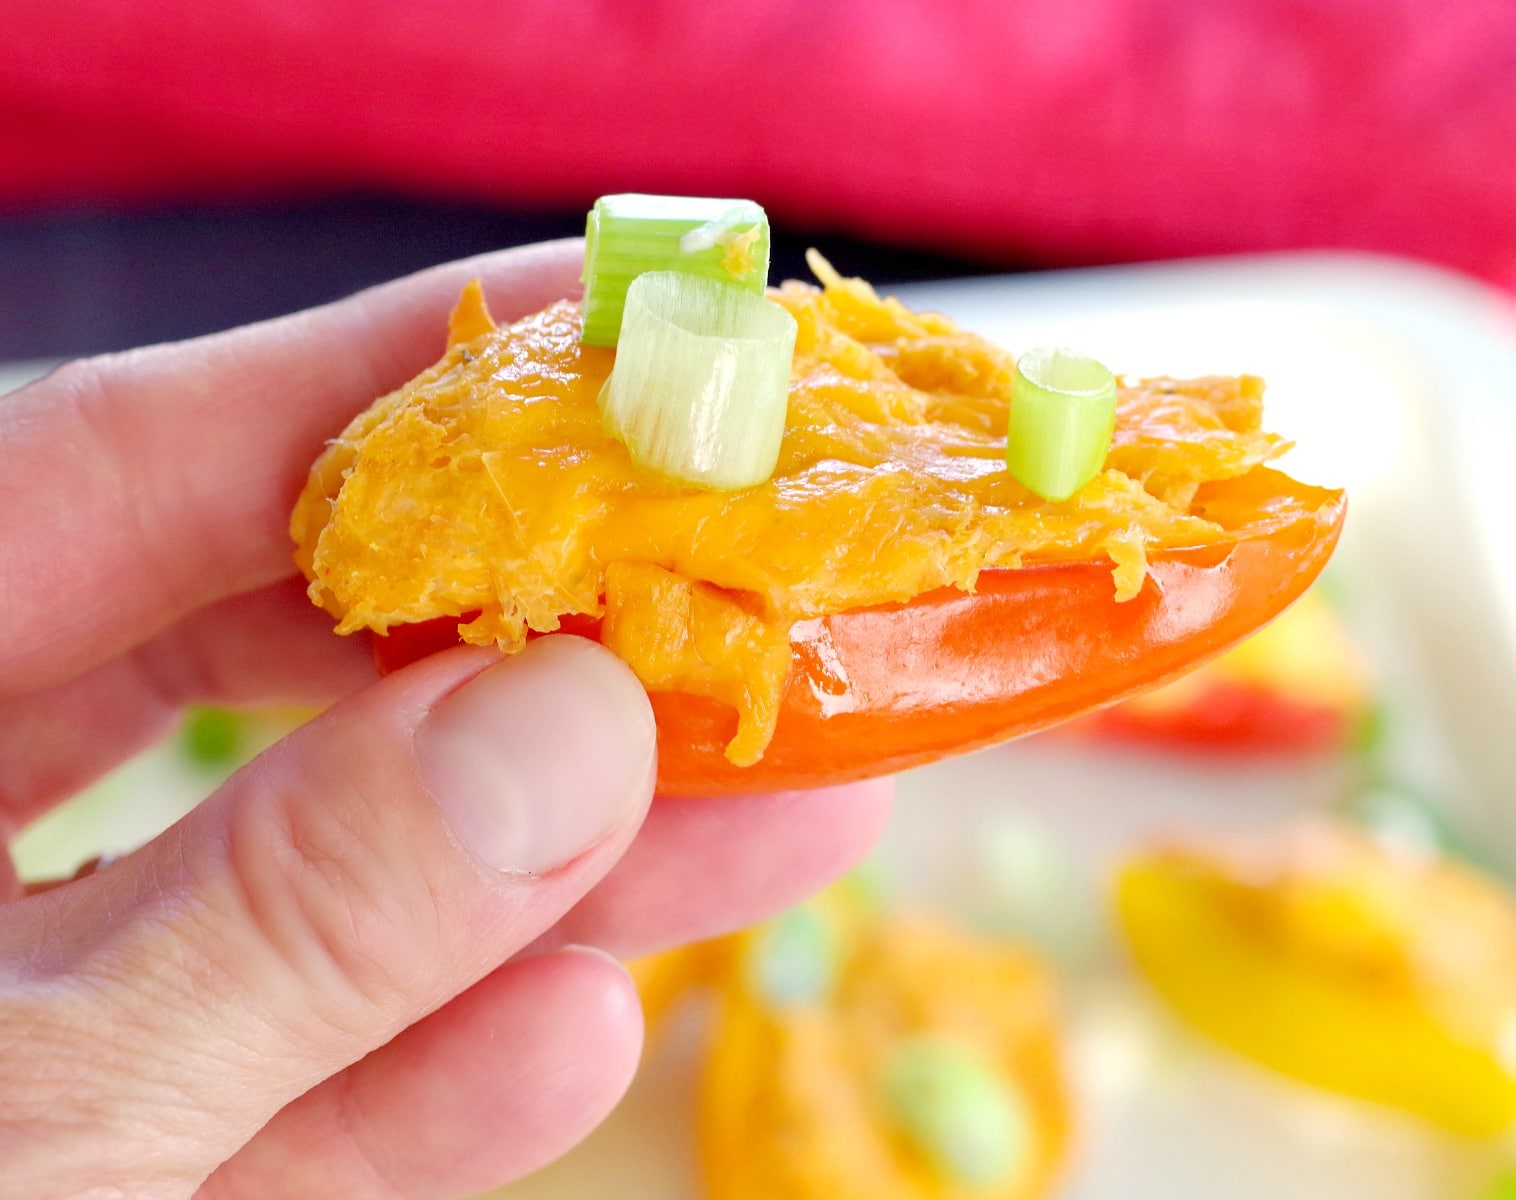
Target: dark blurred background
87 280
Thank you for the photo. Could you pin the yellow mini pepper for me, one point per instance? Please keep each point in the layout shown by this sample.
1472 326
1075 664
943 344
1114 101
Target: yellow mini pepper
1369 971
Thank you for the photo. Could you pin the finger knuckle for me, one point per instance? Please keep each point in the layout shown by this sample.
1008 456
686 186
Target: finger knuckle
327 887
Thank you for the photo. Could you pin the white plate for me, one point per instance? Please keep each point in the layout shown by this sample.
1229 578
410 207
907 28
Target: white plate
18 374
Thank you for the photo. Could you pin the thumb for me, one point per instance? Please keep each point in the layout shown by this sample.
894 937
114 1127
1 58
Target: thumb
351 880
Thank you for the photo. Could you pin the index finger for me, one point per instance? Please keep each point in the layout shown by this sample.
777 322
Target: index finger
139 487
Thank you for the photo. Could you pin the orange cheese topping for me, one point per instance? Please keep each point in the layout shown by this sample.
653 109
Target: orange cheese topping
790 1100
487 486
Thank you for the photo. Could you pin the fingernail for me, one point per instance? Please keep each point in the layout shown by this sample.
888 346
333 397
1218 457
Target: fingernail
542 756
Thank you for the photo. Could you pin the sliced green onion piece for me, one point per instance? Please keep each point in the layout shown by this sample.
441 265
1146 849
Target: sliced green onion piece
1063 411
629 235
214 737
969 1123
793 960
702 380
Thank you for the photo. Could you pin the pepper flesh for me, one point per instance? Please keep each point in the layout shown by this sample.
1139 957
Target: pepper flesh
876 690
1298 686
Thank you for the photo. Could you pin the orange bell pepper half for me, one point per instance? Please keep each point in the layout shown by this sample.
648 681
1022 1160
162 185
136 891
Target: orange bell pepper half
876 690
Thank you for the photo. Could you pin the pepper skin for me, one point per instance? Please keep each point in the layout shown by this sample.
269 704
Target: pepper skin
876 690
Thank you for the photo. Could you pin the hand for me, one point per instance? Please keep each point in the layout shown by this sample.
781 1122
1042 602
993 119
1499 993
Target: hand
350 972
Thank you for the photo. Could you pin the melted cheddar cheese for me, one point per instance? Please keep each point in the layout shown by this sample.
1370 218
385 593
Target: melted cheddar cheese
487 487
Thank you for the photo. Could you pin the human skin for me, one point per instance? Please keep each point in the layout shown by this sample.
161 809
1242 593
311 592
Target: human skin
360 967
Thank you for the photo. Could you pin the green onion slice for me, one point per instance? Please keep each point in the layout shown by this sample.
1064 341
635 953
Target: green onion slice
1063 412
793 960
702 380
214 737
629 235
963 1117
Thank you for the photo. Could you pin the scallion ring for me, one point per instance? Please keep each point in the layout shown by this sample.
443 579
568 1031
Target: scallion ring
628 235
1063 412
964 1116
701 383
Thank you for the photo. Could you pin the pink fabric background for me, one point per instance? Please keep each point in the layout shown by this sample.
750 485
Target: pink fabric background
1057 130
